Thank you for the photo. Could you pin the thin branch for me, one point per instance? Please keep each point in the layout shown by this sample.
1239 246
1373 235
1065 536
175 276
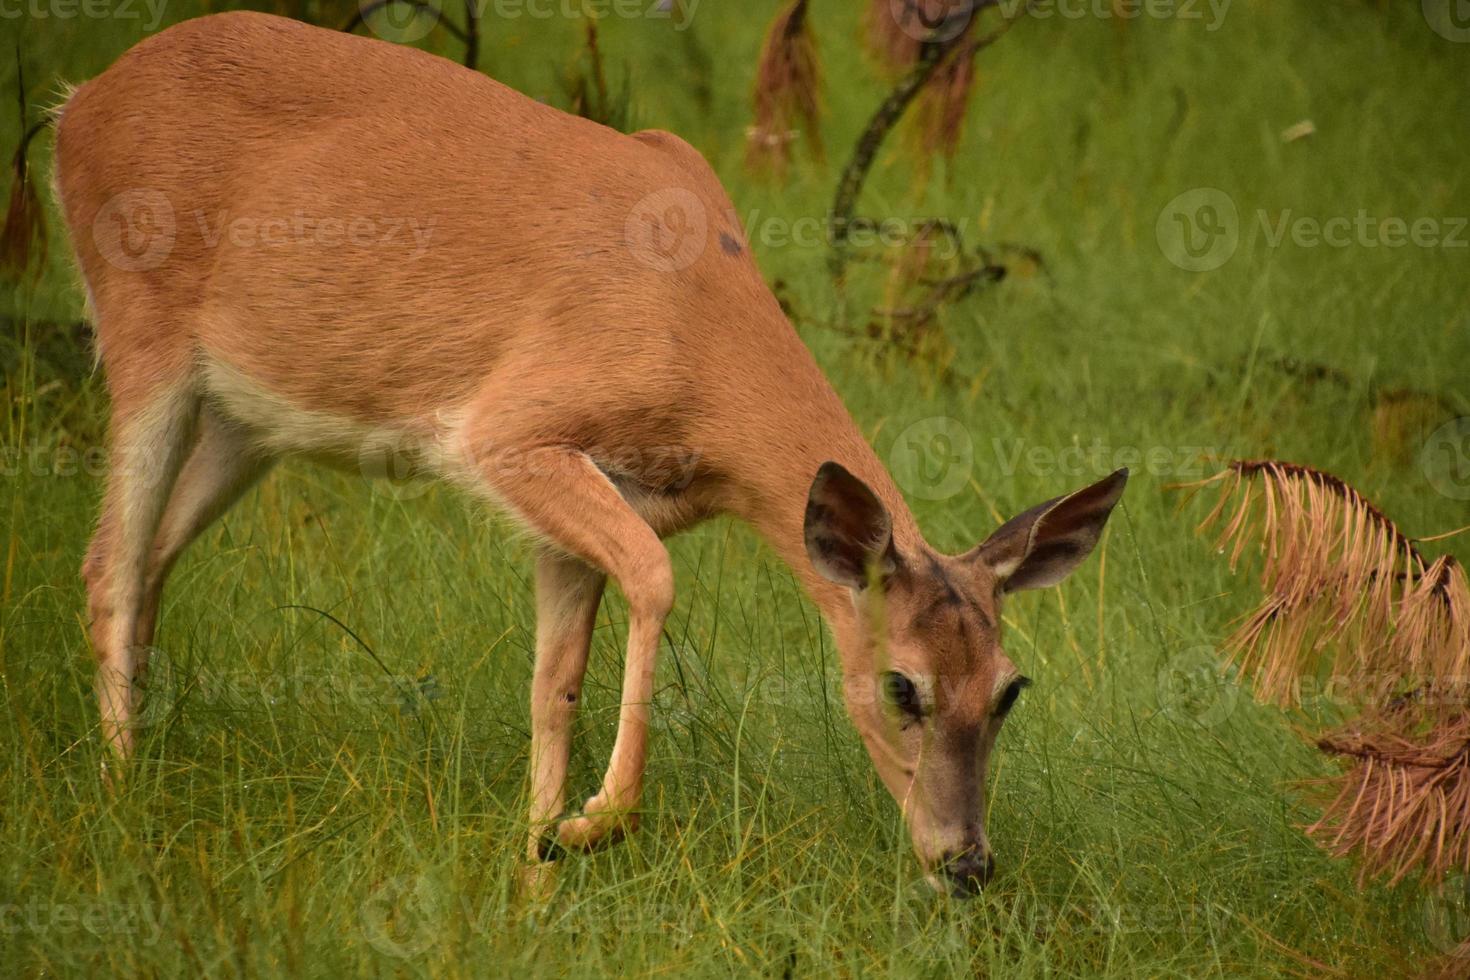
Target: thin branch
472 34
931 58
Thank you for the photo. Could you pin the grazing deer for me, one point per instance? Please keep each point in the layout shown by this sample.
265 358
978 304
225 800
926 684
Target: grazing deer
583 301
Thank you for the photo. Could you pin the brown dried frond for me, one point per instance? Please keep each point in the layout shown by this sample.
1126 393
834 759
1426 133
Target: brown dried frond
1340 580
883 29
787 92
1405 800
946 100
896 30
23 236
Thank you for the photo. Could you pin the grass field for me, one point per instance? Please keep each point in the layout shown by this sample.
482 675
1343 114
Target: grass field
331 780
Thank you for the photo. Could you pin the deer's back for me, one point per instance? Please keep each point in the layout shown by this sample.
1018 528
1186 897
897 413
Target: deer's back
365 229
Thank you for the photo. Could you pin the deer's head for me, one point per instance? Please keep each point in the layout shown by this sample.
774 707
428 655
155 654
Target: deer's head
927 682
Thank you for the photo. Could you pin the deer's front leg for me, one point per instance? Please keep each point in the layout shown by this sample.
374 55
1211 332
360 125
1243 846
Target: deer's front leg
568 591
571 504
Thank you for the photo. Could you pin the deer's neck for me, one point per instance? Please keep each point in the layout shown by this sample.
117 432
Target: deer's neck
791 422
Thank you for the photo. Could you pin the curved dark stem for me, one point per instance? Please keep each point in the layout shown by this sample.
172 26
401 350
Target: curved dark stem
30 134
472 34
931 57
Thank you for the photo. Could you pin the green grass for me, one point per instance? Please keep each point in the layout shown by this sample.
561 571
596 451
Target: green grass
332 781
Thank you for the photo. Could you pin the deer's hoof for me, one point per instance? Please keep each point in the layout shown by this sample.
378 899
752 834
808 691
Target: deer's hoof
599 823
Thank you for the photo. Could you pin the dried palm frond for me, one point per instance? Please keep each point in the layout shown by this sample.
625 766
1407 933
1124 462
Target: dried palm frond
787 92
588 93
896 30
945 101
23 235
883 29
1405 801
1345 585
1342 583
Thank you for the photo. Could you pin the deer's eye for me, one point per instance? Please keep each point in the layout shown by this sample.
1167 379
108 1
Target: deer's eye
1008 696
900 692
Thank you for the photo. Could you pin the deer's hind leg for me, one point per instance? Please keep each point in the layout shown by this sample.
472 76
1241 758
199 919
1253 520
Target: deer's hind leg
152 428
222 465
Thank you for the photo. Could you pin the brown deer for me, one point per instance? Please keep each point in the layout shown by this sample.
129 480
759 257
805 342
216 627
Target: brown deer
575 331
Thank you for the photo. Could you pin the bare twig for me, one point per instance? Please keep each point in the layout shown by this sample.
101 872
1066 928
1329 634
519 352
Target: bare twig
932 56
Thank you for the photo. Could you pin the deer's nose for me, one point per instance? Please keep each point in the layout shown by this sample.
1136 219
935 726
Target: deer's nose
968 871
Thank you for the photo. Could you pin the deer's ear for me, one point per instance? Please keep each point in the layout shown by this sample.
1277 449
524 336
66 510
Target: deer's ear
849 535
1042 546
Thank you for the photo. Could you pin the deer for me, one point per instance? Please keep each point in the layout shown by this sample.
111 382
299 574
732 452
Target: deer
581 301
